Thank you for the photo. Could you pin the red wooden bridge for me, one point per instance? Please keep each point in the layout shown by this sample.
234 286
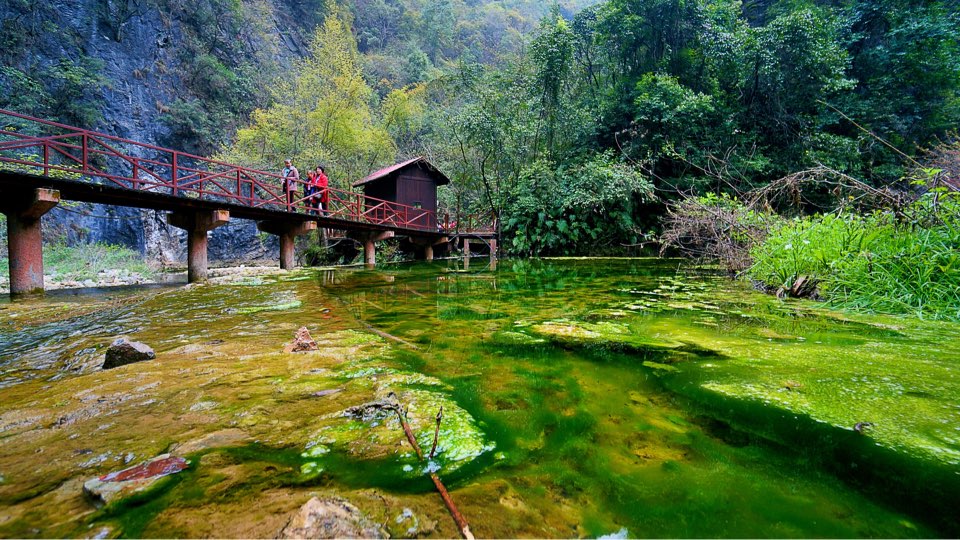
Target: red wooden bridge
43 161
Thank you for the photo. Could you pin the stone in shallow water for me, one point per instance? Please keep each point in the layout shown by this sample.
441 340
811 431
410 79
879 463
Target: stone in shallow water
123 352
217 439
119 484
330 518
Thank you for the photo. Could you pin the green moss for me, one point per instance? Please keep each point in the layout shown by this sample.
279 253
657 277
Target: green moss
274 307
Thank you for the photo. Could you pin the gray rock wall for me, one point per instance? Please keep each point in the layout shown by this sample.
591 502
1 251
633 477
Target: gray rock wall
141 44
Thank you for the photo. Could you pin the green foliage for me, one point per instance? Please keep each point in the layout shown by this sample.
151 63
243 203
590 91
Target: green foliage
83 262
68 91
322 113
873 262
575 209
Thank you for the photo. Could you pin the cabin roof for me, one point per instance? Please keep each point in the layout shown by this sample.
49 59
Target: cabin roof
440 178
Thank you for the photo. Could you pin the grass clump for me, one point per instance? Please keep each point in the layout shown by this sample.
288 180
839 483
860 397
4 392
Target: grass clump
87 261
906 264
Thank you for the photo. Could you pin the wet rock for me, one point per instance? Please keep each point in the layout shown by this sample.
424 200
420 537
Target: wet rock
123 352
374 410
217 439
101 533
325 393
330 518
119 484
302 342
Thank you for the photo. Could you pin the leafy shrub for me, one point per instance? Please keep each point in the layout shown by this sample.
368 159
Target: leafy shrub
564 210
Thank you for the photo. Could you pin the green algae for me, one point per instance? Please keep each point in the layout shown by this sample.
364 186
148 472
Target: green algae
629 395
273 307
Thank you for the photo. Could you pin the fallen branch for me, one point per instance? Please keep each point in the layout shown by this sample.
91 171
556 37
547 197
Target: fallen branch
383 334
444 494
457 516
436 432
408 432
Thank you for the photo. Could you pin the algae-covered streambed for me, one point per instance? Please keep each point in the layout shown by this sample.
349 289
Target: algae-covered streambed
581 398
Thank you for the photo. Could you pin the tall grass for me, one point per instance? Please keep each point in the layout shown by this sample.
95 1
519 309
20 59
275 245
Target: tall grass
86 261
893 264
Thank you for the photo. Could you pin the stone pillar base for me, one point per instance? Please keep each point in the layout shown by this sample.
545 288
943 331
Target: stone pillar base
197 224
369 240
288 231
24 211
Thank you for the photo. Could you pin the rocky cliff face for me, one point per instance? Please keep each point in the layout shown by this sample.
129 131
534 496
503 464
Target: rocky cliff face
167 72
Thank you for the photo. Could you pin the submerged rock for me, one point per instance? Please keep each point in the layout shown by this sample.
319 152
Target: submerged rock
217 439
374 410
330 518
607 334
119 484
123 352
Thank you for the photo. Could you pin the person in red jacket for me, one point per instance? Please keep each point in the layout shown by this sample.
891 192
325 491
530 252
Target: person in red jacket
320 189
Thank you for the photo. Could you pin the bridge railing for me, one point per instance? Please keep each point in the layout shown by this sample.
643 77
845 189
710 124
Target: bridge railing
467 223
40 147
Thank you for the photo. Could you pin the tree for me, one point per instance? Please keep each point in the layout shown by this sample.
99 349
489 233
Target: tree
321 114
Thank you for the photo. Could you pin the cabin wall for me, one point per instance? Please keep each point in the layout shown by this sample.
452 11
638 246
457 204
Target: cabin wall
385 191
415 186
411 186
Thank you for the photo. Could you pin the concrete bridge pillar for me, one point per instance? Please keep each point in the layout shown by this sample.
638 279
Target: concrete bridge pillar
288 231
426 245
197 223
25 238
369 240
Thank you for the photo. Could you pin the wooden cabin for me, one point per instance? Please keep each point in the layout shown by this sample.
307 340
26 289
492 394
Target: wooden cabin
413 183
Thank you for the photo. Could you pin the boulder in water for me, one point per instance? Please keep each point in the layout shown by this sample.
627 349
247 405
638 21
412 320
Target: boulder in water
123 352
330 518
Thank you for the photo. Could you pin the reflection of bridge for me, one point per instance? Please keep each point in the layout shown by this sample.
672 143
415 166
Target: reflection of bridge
42 161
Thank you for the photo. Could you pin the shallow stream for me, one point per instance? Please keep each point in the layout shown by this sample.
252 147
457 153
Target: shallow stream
581 397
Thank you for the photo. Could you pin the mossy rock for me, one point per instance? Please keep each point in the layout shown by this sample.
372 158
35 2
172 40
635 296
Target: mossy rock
612 336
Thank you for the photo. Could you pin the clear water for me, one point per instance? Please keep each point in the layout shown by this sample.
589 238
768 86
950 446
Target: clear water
581 398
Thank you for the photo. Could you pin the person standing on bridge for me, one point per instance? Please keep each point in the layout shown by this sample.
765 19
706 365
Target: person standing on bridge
310 192
290 178
320 189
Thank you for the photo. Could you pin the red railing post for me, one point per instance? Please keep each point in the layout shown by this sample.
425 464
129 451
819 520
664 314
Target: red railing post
46 159
239 187
136 175
174 173
83 153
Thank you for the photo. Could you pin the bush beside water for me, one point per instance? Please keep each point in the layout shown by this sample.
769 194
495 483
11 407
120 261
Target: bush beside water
906 264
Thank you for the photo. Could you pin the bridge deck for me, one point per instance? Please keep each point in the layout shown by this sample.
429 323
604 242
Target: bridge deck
90 166
118 196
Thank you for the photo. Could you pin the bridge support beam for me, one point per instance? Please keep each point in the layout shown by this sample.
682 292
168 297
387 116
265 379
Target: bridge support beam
25 237
198 224
426 245
369 240
288 231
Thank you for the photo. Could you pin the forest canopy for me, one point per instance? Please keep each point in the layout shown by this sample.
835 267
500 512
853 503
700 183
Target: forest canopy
659 97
